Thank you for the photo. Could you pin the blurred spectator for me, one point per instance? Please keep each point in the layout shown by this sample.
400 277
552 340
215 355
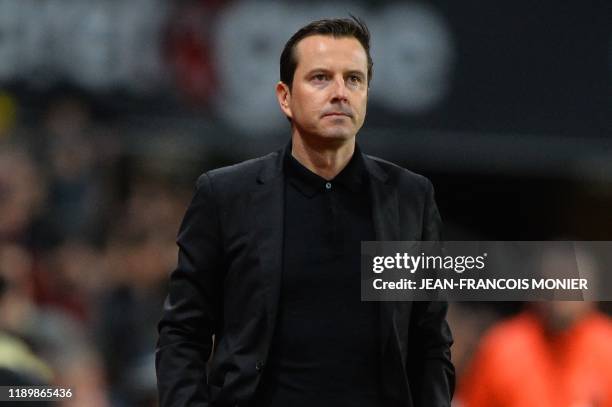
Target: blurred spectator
54 336
16 302
74 184
128 315
18 364
154 207
84 374
140 254
20 367
553 354
22 198
189 49
72 280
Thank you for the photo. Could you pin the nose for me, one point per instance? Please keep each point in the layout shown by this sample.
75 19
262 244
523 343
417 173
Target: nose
339 90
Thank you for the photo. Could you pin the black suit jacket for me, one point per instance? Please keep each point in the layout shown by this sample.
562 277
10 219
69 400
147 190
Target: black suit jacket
227 285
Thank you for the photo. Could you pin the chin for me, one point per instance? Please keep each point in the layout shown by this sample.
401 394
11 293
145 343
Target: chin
339 134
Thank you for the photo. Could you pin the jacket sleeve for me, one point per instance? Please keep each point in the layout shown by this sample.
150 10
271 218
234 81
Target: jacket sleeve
431 372
192 308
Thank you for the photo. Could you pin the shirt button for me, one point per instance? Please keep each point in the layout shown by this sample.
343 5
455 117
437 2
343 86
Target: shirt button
259 366
328 185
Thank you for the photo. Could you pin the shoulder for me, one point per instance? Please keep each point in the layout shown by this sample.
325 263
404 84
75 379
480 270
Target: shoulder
240 175
596 328
394 174
512 337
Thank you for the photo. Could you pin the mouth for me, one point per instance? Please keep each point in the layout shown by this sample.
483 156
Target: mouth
337 114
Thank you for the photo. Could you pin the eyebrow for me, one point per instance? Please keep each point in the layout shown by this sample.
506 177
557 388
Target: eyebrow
315 70
357 72
325 70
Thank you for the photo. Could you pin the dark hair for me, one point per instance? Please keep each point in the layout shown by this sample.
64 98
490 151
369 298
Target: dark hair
338 27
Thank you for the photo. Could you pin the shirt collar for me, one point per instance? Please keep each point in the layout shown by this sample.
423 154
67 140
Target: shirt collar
308 183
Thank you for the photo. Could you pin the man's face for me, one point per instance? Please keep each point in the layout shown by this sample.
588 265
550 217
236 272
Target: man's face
327 101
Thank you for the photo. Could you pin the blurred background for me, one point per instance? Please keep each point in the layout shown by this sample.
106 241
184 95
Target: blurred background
109 111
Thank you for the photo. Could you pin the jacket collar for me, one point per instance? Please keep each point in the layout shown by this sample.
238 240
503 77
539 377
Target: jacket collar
273 166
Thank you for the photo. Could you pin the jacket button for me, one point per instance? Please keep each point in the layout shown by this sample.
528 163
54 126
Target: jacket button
259 366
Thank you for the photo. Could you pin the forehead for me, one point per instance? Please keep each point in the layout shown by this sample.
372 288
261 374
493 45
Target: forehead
329 52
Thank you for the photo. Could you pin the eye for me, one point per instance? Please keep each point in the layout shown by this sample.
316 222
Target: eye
355 79
320 77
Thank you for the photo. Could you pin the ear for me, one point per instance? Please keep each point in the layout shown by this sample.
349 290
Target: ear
283 94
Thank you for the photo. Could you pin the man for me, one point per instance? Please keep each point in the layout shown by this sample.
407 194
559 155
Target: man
270 252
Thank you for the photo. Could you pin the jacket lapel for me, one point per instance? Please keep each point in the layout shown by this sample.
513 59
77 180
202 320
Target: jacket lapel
385 213
267 209
386 226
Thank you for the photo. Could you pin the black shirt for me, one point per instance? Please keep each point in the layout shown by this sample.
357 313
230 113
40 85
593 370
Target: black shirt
325 349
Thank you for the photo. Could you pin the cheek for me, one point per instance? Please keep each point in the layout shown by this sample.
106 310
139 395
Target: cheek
301 102
309 108
361 107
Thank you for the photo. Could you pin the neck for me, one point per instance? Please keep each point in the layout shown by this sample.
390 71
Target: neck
325 160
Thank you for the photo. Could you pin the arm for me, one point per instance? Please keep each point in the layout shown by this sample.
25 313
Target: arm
193 306
432 375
